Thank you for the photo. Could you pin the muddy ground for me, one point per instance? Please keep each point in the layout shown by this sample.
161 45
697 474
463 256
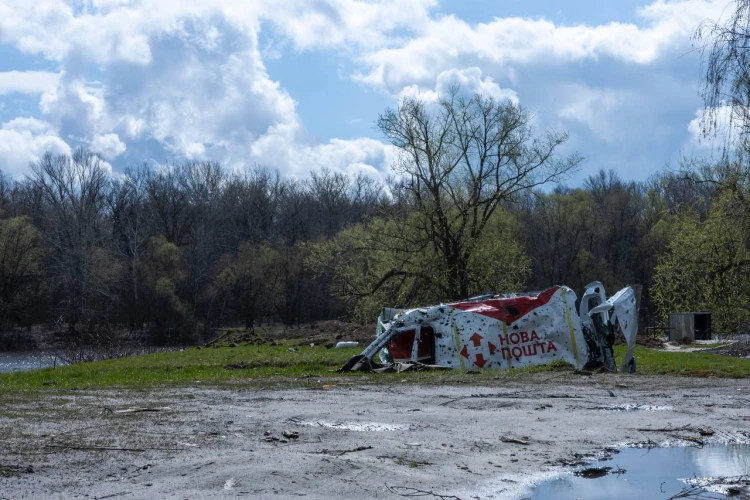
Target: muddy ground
338 438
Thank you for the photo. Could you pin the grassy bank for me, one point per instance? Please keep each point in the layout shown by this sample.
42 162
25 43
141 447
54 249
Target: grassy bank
193 367
688 364
188 367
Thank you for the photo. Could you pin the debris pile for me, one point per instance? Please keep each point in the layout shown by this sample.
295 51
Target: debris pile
236 338
327 333
739 349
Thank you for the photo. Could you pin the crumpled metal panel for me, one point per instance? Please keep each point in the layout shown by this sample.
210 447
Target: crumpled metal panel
506 332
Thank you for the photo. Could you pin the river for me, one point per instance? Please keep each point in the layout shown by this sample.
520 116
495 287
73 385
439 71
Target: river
13 361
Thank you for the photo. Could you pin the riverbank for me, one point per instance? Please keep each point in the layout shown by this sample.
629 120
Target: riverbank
300 363
342 437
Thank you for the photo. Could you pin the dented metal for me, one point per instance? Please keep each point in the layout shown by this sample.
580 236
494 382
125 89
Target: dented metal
503 332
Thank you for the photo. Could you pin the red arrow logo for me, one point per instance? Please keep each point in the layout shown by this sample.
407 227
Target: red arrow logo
480 362
492 348
477 339
465 352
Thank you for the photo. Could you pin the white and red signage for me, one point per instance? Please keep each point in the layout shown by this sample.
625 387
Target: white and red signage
495 333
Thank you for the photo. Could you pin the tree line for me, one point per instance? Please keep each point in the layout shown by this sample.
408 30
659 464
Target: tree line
171 251
177 251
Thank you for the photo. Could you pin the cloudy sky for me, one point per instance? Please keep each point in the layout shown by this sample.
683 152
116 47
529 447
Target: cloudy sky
297 84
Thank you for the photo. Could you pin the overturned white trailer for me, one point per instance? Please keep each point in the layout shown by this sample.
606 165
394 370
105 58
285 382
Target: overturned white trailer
503 332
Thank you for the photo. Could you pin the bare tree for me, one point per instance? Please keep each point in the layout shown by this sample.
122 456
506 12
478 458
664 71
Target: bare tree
252 199
132 226
170 205
331 193
81 268
724 45
459 162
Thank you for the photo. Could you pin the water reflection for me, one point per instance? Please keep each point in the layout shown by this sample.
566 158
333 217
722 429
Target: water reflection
713 461
14 361
654 473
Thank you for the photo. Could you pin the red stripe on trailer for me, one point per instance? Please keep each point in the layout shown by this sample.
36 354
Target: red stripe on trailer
510 309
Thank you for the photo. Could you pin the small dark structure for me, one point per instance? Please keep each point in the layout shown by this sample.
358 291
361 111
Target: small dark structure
692 325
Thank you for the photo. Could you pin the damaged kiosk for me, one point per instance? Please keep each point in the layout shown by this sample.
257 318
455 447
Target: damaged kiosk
502 332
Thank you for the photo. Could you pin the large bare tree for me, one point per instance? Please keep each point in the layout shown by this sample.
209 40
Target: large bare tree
461 158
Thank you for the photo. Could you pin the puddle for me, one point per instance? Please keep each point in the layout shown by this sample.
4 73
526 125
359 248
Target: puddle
358 426
636 473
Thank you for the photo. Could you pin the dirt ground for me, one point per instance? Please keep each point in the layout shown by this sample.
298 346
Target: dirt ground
338 438
325 333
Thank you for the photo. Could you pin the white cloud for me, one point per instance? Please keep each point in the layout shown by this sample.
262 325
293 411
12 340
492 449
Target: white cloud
27 124
339 23
368 155
187 79
23 140
77 109
281 148
109 146
504 43
594 107
709 131
190 77
26 82
118 30
469 81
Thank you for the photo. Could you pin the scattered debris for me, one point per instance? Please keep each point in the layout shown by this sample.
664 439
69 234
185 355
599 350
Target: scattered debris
405 491
340 345
631 408
143 410
236 338
413 366
15 470
508 439
290 434
733 487
328 333
274 439
738 349
358 426
338 453
113 495
596 472
687 427
412 464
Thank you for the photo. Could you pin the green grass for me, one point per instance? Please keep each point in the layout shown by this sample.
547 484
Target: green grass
311 366
189 367
687 364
